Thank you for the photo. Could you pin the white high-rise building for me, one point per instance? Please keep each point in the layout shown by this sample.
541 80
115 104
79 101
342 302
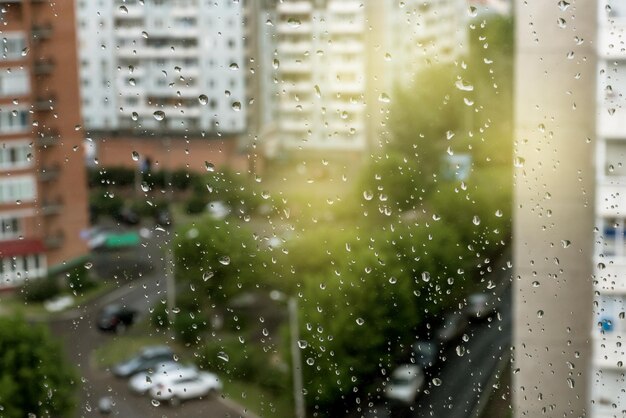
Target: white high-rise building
331 55
184 59
609 331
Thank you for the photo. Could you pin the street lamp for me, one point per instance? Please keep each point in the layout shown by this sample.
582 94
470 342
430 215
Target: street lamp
296 359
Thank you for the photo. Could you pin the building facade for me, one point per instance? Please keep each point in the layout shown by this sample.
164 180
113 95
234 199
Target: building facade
152 65
43 197
609 322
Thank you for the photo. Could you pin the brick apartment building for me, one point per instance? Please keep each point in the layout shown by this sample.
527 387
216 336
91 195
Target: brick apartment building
43 196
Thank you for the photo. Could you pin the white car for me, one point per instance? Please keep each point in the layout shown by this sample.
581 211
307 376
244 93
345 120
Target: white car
143 381
187 384
406 382
218 210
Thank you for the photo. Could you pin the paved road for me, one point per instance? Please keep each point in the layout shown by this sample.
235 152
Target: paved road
463 378
79 336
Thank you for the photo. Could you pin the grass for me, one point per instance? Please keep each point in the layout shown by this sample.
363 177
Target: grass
257 400
12 303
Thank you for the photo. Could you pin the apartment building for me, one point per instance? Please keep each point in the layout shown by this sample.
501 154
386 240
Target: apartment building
338 62
609 323
156 65
43 198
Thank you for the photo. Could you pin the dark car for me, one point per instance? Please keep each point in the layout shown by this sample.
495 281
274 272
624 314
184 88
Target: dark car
425 353
116 318
480 306
454 324
146 359
127 216
163 218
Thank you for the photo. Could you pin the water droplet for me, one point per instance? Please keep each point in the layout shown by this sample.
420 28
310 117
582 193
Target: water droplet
203 99
565 243
519 162
225 260
437 381
223 356
499 213
570 382
207 275
275 64
144 34
384 98
135 156
25 52
134 116
294 23
368 195
426 276
302 344
154 402
540 314
536 284
460 350
236 106
360 321
393 280
234 66
145 187
123 9
132 82
461 85
88 265
563 5
449 135
318 93
210 167
310 361
476 220
159 115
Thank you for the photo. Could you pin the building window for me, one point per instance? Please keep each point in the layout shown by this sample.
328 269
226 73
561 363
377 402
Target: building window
14 155
12 46
15 82
14 270
16 121
16 188
10 227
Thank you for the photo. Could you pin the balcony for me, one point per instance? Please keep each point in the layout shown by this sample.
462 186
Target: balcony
47 139
51 207
49 173
43 66
295 7
39 32
45 103
54 240
611 277
611 197
609 350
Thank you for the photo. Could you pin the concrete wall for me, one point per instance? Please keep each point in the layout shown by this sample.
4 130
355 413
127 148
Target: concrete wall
554 197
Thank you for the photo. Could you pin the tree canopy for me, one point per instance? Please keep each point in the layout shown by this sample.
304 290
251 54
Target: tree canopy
34 378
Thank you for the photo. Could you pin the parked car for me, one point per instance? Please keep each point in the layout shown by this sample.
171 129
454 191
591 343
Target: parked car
218 210
426 353
479 306
116 318
146 359
142 382
453 326
127 216
405 384
186 384
163 218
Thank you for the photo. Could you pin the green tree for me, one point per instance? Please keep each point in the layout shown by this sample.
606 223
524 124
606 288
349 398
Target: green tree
34 378
218 258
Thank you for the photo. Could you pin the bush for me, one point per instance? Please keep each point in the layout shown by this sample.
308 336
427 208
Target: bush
79 280
245 362
38 290
196 204
104 204
182 179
